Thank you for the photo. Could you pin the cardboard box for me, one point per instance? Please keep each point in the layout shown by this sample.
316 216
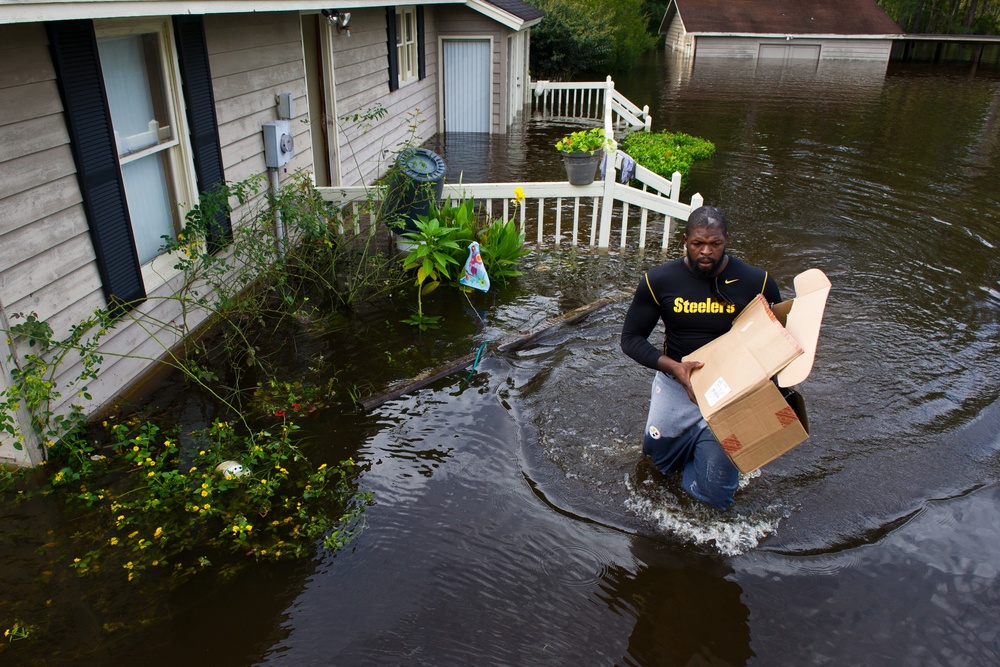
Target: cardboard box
745 409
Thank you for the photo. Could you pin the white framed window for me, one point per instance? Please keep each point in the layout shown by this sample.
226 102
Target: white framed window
143 87
406 44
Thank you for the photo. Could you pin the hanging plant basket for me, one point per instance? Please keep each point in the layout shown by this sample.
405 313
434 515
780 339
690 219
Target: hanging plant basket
581 166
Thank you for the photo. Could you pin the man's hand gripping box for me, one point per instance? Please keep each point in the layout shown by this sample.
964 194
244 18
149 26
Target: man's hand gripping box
746 411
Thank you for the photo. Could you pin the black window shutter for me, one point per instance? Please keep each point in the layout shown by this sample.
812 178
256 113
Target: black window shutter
88 120
192 56
421 59
390 28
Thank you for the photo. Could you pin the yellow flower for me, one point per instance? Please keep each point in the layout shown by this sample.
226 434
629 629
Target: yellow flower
158 533
150 474
204 493
519 194
113 541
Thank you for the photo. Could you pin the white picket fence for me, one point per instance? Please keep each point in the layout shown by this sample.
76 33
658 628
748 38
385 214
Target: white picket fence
604 214
582 99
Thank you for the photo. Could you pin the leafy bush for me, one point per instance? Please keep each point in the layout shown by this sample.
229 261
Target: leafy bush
586 141
441 243
588 36
148 496
666 152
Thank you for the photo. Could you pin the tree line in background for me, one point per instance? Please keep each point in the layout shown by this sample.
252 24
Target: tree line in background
599 36
945 17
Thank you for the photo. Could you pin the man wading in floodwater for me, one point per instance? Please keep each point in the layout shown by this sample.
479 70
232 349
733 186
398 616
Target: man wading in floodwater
697 296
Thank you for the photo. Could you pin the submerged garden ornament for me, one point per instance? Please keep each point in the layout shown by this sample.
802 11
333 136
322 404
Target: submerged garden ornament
475 275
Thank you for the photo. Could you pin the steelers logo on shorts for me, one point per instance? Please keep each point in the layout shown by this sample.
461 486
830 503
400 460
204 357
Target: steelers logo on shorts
655 432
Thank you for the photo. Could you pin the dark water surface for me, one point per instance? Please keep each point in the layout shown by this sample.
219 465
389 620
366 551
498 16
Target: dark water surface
515 522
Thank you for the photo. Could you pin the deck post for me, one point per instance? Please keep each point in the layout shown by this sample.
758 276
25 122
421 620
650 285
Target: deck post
607 200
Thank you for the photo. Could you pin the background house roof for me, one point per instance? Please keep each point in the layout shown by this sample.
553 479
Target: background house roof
784 17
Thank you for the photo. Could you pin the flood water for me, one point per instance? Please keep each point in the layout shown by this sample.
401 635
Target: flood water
515 521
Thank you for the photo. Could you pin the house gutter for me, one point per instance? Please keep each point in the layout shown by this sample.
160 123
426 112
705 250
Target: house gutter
34 11
791 36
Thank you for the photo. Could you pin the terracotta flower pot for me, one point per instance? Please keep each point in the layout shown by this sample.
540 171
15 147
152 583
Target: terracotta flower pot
581 167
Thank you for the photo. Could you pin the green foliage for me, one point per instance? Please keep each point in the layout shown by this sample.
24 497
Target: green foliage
980 17
431 256
441 243
19 630
588 36
149 495
666 152
586 141
164 503
33 383
501 245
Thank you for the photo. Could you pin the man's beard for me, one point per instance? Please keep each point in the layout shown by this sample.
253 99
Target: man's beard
701 272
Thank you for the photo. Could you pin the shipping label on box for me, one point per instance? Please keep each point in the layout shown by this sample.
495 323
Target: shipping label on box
745 408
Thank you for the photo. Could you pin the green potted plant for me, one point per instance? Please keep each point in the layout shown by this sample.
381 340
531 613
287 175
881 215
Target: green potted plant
581 153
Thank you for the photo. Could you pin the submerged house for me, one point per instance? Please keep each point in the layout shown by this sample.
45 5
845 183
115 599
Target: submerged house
116 115
799 30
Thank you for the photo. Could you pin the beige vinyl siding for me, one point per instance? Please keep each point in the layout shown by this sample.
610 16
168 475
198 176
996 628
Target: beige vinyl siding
361 70
677 38
254 57
857 49
459 21
46 257
47 261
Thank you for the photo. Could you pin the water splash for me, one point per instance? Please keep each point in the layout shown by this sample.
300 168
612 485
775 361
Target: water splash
729 533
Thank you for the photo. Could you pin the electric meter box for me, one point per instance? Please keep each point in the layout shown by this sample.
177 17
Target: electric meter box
278 144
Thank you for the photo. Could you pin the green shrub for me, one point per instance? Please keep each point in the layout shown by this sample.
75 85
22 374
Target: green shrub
666 152
441 244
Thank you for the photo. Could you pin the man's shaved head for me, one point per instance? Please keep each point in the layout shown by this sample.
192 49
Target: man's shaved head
706 217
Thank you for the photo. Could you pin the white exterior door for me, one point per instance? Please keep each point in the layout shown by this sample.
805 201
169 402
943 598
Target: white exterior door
466 84
517 75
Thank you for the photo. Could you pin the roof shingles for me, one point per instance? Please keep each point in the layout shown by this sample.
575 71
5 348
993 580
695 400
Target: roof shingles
520 9
786 17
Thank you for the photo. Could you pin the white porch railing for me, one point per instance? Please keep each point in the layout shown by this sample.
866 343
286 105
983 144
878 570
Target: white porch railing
557 212
598 100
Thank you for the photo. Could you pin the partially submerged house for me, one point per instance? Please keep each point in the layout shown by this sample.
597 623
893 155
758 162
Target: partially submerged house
799 30
116 115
